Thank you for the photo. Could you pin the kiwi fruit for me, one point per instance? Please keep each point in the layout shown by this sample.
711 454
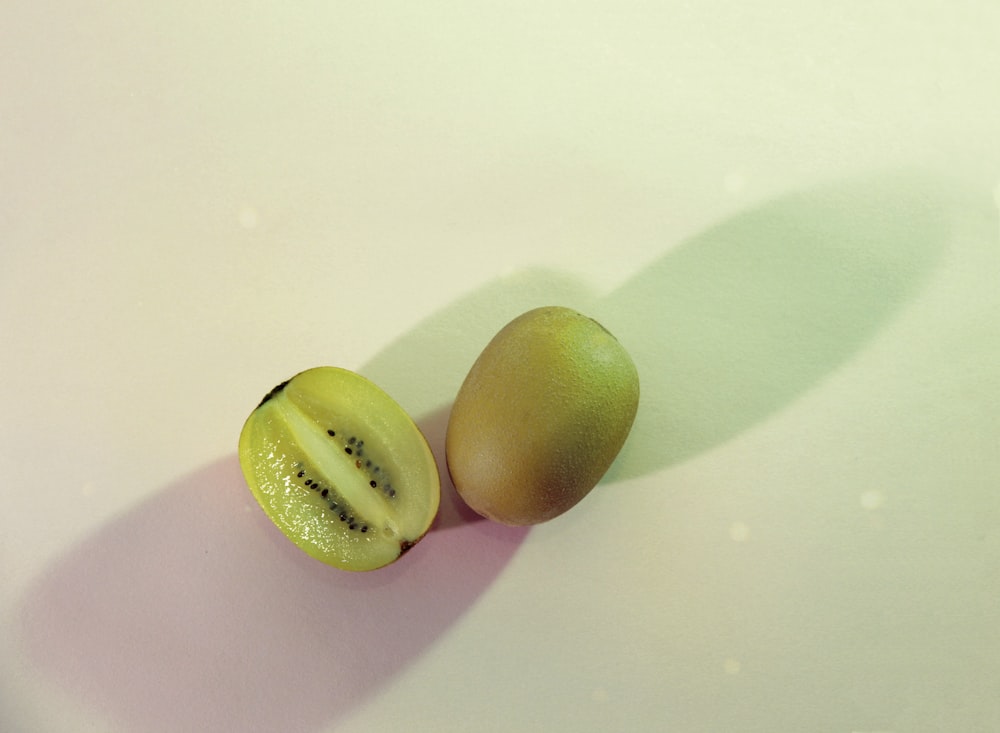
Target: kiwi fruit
340 468
541 416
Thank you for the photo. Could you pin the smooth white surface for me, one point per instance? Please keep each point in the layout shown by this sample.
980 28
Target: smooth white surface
787 213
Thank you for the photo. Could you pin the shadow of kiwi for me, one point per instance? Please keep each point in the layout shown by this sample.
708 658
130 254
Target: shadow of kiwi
193 612
725 329
738 322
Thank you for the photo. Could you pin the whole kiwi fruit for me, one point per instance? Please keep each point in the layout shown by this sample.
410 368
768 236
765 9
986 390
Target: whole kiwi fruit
340 468
541 416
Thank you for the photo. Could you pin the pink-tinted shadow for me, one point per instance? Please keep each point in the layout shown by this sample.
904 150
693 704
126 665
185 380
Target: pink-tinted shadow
454 513
193 612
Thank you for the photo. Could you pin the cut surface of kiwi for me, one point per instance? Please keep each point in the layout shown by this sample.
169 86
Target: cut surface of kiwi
340 468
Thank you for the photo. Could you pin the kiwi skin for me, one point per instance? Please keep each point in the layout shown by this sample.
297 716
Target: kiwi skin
541 416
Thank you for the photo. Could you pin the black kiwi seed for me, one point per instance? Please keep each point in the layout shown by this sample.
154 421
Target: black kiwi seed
352 525
331 433
372 484
364 527
343 517
300 474
324 492
352 440
309 482
348 451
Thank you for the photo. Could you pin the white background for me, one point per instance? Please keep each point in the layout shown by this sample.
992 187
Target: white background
785 211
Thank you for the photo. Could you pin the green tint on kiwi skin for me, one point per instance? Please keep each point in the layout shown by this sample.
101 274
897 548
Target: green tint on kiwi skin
541 416
340 468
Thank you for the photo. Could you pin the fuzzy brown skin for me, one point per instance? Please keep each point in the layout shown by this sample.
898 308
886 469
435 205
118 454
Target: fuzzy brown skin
541 416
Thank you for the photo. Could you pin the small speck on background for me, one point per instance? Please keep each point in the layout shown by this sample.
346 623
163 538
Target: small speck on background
734 182
739 532
248 217
872 500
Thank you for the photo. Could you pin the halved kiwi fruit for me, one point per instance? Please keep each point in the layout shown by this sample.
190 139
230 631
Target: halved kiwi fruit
340 468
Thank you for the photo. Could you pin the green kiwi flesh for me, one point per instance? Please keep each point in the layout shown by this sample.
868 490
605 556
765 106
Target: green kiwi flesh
340 468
